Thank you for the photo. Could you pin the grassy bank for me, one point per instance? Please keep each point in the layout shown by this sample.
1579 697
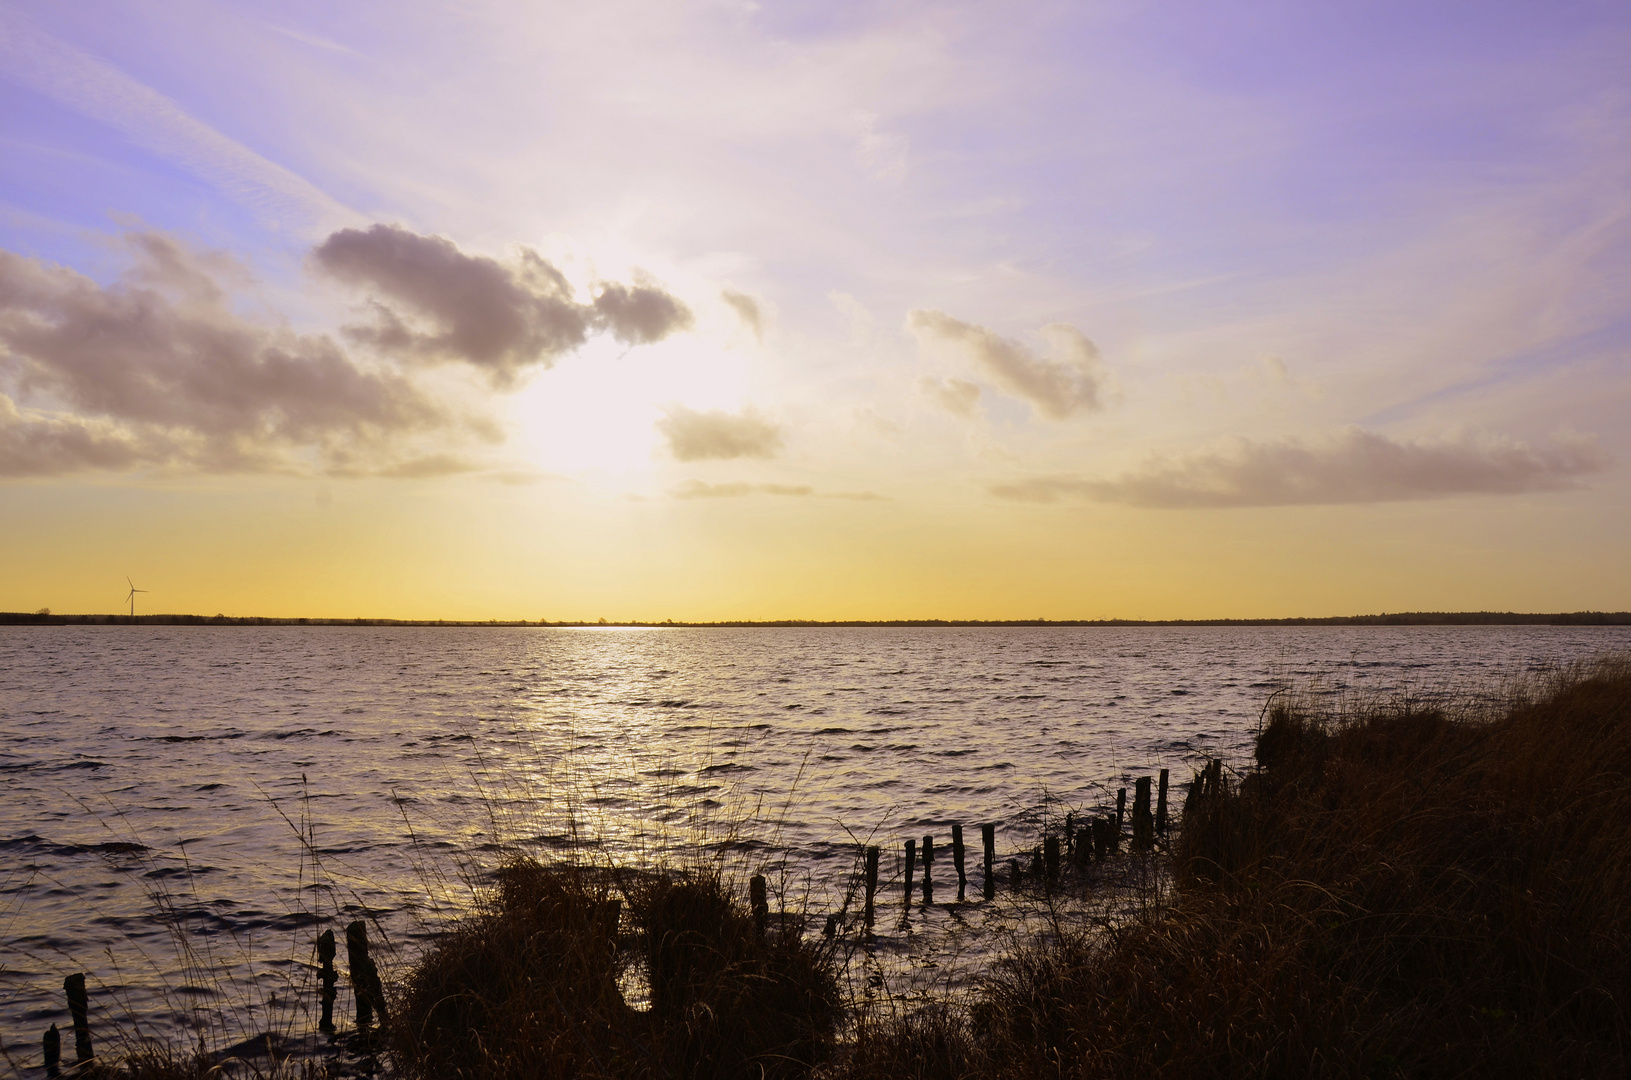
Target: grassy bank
1398 892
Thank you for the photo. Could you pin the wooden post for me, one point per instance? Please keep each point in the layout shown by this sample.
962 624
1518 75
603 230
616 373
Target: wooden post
53 1051
928 861
325 957
988 836
1161 806
1121 813
1084 845
1112 835
1143 822
79 1009
957 860
1050 858
1070 835
872 854
1013 873
911 866
759 900
365 984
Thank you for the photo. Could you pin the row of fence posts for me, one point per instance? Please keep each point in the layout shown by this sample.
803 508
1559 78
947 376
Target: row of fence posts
1098 839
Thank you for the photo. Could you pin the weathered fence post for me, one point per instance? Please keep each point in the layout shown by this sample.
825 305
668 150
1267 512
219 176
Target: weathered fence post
1143 822
1121 813
928 861
957 860
52 1051
1050 858
1161 806
911 866
1084 846
325 958
759 900
365 984
988 836
79 1009
871 882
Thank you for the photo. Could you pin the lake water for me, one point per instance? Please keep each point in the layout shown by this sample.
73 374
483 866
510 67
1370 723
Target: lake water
184 808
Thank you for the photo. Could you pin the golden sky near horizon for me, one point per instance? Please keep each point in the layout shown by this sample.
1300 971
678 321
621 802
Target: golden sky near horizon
713 311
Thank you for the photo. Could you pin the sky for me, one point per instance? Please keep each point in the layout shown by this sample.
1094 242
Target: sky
734 310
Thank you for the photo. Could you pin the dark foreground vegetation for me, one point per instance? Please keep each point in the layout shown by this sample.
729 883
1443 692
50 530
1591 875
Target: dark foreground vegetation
1398 892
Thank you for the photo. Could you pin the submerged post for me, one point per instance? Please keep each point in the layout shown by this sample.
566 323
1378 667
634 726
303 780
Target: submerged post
1050 858
79 1009
759 900
871 881
325 959
911 866
1084 846
1143 822
988 837
957 860
928 861
1161 806
52 1051
365 984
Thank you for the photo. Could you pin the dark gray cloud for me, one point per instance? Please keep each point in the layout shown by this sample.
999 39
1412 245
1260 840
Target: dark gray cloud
157 369
1352 466
640 315
1070 383
701 436
432 302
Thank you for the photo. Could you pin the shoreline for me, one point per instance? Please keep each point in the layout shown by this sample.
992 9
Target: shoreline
1409 618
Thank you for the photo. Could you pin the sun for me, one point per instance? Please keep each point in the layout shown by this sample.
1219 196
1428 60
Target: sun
594 414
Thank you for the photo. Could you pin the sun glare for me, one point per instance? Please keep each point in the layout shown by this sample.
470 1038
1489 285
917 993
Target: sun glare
596 412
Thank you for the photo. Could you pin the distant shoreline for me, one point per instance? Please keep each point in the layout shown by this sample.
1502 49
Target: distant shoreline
1409 618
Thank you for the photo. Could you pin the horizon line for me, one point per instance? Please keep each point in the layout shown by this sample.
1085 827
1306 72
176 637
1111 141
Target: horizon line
1405 618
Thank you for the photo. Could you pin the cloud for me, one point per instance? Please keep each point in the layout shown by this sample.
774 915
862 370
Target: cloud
747 310
434 303
1073 382
697 489
957 396
99 90
715 435
157 369
641 315
1351 466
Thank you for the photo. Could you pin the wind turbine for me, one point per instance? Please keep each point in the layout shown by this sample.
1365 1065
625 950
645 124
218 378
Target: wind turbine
132 596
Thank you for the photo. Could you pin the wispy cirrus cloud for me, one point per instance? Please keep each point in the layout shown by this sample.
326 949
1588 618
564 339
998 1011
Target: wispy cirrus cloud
1351 466
1073 381
717 435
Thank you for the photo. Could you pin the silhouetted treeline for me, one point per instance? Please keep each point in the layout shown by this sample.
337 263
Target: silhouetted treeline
1406 618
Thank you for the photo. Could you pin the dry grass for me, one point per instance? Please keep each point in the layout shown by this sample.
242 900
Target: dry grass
530 985
1401 893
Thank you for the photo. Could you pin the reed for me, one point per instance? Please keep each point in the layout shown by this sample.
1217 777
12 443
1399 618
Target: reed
1400 892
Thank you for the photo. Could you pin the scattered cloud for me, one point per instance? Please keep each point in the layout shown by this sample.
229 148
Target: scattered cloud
434 303
698 489
157 369
640 315
1073 381
957 396
716 435
1351 466
747 310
